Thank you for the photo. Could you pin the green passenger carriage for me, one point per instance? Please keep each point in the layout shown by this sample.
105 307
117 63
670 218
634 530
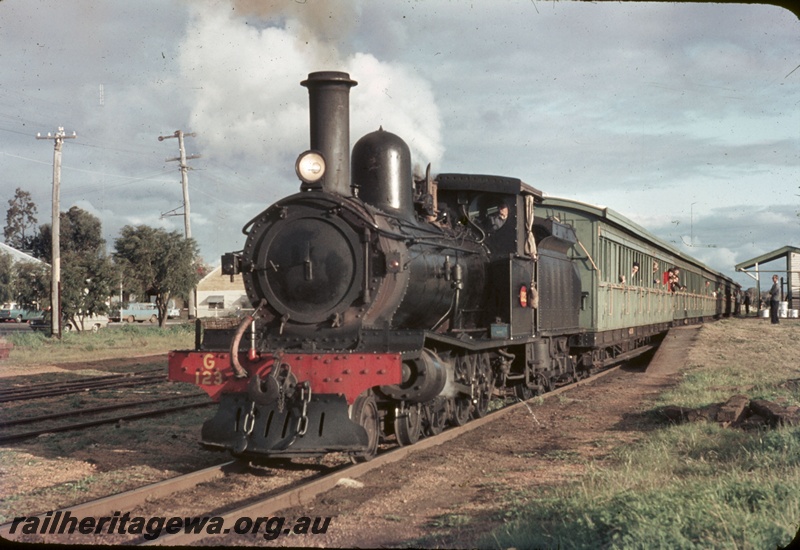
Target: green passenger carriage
620 304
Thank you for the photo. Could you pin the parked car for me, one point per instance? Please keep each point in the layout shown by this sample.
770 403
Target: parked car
12 312
136 311
90 323
41 323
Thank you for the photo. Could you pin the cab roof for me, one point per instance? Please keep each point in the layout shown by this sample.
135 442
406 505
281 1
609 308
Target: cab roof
486 183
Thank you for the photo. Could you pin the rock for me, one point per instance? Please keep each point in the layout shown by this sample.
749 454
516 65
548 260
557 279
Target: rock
775 414
352 483
740 411
733 411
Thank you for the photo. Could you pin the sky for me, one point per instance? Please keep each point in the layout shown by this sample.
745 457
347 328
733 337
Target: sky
685 118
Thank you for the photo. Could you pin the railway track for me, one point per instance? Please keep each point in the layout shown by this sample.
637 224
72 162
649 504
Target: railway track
52 389
54 422
21 436
135 497
297 492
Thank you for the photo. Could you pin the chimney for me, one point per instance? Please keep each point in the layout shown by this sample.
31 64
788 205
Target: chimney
329 106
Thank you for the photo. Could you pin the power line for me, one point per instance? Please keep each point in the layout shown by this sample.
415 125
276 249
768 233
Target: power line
72 169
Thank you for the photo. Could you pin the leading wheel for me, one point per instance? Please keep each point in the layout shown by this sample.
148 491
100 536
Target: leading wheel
364 412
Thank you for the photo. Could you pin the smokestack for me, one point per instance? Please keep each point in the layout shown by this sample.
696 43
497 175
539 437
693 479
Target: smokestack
329 106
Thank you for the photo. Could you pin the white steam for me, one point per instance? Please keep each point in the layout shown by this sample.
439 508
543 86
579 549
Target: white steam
242 63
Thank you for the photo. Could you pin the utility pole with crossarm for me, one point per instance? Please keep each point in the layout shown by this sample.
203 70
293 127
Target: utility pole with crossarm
55 278
184 168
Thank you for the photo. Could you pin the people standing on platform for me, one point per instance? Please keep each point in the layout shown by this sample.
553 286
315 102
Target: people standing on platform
774 300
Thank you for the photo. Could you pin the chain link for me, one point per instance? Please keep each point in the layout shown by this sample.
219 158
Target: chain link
249 419
305 398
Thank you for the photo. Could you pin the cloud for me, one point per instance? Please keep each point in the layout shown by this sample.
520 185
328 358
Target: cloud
725 236
248 106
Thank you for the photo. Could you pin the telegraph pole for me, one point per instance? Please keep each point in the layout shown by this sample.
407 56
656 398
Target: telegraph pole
55 279
184 168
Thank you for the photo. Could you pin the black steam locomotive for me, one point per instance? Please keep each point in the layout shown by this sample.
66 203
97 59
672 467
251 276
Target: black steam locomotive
388 306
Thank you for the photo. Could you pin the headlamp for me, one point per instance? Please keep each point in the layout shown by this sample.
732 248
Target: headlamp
310 166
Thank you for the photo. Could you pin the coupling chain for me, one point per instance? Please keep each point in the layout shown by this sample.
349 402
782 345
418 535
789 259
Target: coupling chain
305 398
283 376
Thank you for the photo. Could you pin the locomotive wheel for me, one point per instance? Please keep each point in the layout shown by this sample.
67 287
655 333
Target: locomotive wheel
435 417
465 369
485 386
460 411
408 426
523 392
364 412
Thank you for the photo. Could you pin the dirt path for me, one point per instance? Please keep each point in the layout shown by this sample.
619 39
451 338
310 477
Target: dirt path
453 495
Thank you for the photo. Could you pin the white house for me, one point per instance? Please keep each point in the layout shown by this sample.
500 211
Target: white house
217 296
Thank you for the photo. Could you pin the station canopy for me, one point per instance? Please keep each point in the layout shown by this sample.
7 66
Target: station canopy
792 270
787 252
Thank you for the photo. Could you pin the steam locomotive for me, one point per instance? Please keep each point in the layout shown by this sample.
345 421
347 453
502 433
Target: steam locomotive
389 306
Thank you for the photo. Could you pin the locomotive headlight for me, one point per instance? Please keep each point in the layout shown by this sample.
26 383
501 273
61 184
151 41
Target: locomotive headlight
310 166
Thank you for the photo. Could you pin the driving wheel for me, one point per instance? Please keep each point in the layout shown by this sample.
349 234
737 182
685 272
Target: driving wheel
364 412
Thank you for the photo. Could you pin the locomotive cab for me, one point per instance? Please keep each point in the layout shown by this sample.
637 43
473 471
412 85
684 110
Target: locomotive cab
502 219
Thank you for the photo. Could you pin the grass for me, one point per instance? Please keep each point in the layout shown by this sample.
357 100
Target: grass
693 485
125 341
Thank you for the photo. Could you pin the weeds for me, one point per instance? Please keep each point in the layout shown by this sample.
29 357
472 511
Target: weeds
127 340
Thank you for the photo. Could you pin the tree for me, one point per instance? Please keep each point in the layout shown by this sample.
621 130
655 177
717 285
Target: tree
156 262
32 284
21 221
87 273
6 278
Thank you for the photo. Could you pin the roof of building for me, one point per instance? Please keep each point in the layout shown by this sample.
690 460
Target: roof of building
768 257
18 256
215 281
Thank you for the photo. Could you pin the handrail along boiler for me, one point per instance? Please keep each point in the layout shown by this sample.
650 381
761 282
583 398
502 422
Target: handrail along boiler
389 307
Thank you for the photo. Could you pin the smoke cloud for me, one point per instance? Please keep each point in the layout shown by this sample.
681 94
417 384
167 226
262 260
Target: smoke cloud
243 61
